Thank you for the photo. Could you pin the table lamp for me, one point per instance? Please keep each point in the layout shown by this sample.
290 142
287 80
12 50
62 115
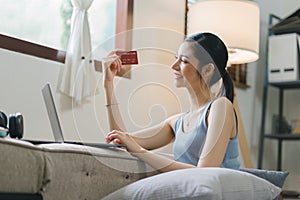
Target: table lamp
236 22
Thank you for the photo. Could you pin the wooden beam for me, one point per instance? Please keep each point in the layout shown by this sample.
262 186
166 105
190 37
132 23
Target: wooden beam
29 48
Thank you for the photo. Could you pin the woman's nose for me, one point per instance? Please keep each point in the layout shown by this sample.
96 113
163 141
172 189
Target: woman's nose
175 65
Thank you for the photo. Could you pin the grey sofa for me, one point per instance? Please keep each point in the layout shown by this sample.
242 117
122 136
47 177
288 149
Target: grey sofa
65 171
77 172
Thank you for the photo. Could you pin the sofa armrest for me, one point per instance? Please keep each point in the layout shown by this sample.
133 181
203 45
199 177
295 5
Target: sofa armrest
89 173
22 167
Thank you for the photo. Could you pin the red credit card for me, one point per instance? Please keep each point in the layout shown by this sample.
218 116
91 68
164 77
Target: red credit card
128 57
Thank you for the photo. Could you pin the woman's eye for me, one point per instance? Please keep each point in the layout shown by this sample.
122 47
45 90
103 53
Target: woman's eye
183 61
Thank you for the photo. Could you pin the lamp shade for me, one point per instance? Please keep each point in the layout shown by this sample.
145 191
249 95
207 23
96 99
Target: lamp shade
236 22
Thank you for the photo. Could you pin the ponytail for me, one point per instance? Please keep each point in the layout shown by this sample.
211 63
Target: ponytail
228 86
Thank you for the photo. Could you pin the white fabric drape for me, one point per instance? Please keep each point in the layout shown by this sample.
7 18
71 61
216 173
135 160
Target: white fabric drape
77 78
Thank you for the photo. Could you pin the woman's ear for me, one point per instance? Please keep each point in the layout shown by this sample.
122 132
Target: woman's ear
207 71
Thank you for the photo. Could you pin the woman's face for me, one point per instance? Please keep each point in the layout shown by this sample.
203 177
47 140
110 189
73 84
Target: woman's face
185 66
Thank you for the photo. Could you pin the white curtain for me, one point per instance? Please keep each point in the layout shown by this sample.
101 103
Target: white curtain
77 78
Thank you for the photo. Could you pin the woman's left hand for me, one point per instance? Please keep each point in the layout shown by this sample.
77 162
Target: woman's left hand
120 137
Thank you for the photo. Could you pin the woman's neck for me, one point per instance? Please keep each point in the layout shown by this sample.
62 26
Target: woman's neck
198 98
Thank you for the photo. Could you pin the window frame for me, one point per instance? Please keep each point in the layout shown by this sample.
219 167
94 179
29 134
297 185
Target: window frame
124 22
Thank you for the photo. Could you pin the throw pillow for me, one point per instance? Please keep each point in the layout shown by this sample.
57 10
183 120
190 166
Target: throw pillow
275 177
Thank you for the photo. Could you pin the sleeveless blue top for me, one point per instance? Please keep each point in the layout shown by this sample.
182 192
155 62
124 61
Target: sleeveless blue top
188 146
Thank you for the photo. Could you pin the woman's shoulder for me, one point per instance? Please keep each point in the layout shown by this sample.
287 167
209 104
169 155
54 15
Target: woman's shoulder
222 102
172 119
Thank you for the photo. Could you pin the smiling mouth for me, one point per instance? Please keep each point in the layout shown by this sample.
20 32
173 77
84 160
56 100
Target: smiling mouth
177 76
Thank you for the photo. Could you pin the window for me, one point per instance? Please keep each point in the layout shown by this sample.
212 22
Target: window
47 22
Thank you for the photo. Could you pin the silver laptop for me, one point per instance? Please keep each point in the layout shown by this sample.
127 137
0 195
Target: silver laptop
55 124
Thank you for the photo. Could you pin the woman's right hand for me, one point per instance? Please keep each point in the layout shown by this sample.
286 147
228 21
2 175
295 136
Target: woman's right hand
111 66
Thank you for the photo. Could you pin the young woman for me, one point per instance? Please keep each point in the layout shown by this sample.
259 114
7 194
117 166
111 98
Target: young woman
205 135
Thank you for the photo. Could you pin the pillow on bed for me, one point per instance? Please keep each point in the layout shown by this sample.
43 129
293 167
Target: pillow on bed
275 177
199 183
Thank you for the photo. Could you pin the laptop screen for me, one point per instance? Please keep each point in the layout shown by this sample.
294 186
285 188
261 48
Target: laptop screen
52 113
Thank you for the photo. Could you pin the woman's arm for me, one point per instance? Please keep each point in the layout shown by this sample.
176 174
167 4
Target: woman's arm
111 66
150 138
158 162
221 127
115 119
161 163
156 136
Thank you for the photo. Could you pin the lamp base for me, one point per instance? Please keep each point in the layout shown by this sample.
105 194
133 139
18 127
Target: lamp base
242 137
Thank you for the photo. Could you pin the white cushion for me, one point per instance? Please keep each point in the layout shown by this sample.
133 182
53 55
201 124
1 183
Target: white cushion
199 183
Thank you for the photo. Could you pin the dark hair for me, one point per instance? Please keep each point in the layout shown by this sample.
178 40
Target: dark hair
217 50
